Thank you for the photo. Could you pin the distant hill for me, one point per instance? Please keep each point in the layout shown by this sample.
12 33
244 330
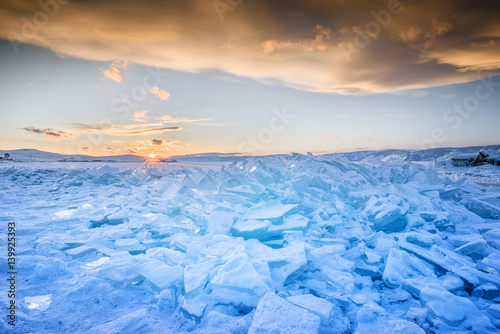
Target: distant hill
415 155
28 155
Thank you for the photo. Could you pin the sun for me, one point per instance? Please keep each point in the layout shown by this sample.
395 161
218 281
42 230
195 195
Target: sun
152 155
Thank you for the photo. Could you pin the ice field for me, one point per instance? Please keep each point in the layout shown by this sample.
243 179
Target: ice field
279 244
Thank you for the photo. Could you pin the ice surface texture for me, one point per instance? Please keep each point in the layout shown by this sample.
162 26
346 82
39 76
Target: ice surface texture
297 244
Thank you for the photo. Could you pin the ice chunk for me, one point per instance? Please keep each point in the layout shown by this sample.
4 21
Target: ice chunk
269 212
219 222
319 254
128 244
493 237
106 179
196 276
40 303
171 191
160 274
65 213
238 274
96 264
451 282
381 243
461 239
387 214
450 308
207 184
293 222
448 282
101 170
476 246
120 267
276 315
494 310
251 228
195 307
318 306
80 251
286 263
341 280
401 266
489 262
422 239
383 326
484 209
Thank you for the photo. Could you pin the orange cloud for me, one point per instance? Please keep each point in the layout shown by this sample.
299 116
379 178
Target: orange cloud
113 73
160 93
298 44
321 42
140 114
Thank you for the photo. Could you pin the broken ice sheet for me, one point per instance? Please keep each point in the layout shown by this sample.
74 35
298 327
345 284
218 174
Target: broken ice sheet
323 246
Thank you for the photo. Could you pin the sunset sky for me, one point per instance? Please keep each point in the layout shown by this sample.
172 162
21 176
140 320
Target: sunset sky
248 76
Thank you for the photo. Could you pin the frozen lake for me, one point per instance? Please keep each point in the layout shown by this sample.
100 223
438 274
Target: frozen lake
296 244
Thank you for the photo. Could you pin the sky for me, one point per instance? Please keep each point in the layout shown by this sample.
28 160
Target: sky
248 77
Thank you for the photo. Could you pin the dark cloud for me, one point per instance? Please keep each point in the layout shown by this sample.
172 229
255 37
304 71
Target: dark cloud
349 47
47 131
156 141
34 130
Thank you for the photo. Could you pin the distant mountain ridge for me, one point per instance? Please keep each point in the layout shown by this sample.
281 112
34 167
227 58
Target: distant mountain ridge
28 155
415 155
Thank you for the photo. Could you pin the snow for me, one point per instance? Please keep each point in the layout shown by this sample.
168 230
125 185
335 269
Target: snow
40 303
279 244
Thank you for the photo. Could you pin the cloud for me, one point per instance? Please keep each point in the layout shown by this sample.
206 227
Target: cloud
121 64
160 93
48 132
320 42
148 126
156 141
140 114
125 129
166 118
301 44
365 137
227 78
155 145
113 73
